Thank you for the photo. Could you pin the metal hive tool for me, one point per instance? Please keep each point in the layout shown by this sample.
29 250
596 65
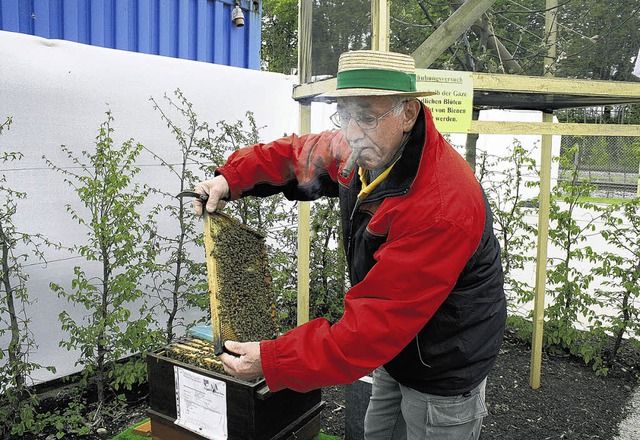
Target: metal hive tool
242 301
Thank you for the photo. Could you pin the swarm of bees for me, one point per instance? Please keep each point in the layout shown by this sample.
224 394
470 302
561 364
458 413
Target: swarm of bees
246 301
197 352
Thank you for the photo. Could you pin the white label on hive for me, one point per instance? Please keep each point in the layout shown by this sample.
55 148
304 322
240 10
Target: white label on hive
201 404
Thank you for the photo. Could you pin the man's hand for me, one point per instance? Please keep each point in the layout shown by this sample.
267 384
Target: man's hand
217 189
246 364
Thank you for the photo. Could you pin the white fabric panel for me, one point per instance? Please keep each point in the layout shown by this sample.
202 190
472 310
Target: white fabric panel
57 93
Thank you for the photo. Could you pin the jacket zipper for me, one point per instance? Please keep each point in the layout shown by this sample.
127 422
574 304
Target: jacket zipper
357 205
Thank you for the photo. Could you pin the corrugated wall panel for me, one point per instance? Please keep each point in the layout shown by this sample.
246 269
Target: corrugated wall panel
221 28
190 29
147 19
167 38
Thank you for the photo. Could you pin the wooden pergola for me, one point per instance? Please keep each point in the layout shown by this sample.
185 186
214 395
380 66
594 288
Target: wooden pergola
499 91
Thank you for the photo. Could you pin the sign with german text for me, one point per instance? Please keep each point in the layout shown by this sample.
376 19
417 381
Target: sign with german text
452 103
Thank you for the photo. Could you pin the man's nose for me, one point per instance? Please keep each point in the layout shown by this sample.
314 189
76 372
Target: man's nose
352 131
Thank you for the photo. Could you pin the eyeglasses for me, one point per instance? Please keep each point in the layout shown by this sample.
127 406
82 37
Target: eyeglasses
341 118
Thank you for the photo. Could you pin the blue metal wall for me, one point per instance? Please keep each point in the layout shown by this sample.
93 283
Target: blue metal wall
191 29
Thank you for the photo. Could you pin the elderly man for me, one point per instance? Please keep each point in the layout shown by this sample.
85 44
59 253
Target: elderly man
426 312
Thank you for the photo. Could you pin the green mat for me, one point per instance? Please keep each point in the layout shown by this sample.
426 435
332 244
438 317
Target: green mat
128 435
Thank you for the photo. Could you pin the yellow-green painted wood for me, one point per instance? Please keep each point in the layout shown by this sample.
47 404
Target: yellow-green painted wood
541 257
495 82
380 23
487 83
304 221
535 370
304 208
515 128
304 215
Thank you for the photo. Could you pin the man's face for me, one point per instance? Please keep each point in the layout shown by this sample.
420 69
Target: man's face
376 145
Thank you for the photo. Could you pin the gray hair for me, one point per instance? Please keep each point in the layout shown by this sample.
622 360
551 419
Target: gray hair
396 100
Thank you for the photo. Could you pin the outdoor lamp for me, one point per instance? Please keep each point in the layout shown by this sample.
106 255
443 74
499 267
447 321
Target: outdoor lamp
237 17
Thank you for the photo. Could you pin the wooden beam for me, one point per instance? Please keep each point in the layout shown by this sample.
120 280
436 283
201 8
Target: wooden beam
304 92
380 23
449 31
304 209
554 86
541 258
305 23
487 82
544 209
541 128
304 234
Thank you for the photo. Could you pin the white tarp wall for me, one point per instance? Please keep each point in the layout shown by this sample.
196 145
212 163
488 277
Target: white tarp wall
57 93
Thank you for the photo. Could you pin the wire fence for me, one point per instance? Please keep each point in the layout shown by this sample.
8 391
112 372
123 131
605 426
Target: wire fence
609 163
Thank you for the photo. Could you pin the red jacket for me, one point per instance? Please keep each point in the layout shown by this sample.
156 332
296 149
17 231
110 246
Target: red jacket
421 239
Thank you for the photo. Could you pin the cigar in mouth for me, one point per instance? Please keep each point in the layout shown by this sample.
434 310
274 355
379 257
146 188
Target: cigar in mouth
350 164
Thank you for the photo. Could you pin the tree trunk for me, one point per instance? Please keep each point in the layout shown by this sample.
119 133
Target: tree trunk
626 316
14 351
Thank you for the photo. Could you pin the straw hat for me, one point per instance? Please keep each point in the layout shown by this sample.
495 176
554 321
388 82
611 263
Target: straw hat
375 73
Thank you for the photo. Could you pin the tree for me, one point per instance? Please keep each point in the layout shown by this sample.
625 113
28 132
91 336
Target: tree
328 267
17 401
601 40
571 296
178 277
509 211
621 272
597 39
338 26
280 35
118 247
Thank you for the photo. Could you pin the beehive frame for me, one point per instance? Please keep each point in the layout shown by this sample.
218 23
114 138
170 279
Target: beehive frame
241 299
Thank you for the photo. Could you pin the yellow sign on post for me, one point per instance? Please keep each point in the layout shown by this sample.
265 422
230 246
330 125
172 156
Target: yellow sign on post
452 104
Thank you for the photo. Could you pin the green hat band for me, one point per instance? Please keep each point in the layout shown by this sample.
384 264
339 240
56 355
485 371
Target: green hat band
377 79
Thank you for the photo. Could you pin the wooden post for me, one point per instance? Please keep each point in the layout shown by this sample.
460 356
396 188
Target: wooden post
541 258
551 32
380 19
551 29
304 219
304 209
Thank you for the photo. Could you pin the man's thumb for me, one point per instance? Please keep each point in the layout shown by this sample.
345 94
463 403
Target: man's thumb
233 347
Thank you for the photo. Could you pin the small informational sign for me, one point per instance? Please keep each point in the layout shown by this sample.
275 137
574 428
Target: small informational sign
452 104
201 404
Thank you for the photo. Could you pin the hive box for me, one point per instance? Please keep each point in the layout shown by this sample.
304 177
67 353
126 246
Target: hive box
357 395
191 403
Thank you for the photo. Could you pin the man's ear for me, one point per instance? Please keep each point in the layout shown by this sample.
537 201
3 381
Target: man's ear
410 114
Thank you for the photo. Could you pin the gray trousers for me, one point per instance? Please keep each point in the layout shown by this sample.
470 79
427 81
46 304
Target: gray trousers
397 412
